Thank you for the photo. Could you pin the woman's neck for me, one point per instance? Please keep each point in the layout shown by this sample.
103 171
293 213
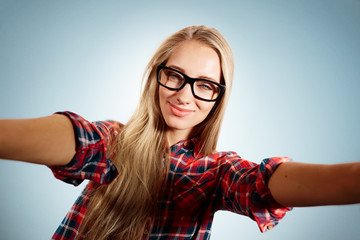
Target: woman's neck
174 135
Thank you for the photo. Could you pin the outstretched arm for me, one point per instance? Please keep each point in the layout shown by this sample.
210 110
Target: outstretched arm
47 140
301 184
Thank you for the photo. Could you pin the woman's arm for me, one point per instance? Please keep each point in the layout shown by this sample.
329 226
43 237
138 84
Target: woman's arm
301 184
47 140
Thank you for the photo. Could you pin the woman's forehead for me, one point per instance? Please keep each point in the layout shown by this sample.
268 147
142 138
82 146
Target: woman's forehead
196 60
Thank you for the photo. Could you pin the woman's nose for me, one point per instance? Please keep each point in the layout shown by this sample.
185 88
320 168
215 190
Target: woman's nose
185 94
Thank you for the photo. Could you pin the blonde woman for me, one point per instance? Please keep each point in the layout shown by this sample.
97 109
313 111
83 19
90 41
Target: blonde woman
160 176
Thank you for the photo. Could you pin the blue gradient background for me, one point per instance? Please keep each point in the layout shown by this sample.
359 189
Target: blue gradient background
296 92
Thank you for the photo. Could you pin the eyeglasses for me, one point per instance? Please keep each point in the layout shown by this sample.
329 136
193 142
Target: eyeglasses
202 89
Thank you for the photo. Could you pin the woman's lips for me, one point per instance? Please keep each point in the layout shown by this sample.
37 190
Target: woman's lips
179 112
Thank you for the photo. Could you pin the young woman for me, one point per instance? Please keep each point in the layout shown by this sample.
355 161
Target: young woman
159 176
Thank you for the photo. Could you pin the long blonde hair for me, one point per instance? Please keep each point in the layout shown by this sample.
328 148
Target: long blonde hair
122 209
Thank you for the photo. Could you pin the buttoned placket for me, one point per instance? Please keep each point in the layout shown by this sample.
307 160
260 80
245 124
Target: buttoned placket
146 233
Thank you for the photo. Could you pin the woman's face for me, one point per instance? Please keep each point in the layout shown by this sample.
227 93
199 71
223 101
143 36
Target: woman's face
180 109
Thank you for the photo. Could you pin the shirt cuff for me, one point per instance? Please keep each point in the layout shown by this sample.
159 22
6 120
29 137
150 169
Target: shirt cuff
273 212
90 161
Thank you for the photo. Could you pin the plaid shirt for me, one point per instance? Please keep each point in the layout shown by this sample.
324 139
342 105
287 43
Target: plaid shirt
197 185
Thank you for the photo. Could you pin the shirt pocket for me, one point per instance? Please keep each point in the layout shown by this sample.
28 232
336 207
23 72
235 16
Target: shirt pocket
193 192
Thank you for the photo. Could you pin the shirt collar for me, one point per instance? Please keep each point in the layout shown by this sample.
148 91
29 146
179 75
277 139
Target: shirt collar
192 144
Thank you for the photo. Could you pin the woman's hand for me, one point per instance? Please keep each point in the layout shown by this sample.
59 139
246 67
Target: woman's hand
47 140
300 184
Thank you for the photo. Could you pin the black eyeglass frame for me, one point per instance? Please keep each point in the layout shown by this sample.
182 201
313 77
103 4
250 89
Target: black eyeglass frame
191 82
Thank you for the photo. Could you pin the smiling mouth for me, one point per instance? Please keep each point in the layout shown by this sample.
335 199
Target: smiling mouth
179 112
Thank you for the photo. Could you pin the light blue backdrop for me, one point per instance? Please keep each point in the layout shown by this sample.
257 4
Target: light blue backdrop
296 92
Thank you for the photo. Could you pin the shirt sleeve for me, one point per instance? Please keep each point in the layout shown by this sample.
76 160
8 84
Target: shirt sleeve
244 189
90 161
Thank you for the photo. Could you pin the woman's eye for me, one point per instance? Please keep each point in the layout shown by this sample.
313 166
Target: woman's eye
206 86
174 76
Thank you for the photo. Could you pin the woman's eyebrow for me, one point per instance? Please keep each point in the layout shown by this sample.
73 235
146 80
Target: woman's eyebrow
200 77
177 68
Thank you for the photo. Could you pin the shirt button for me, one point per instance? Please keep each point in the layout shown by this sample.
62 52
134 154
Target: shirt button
146 232
185 144
269 227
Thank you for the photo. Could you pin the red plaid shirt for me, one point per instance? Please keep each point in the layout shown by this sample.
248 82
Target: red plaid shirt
197 185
